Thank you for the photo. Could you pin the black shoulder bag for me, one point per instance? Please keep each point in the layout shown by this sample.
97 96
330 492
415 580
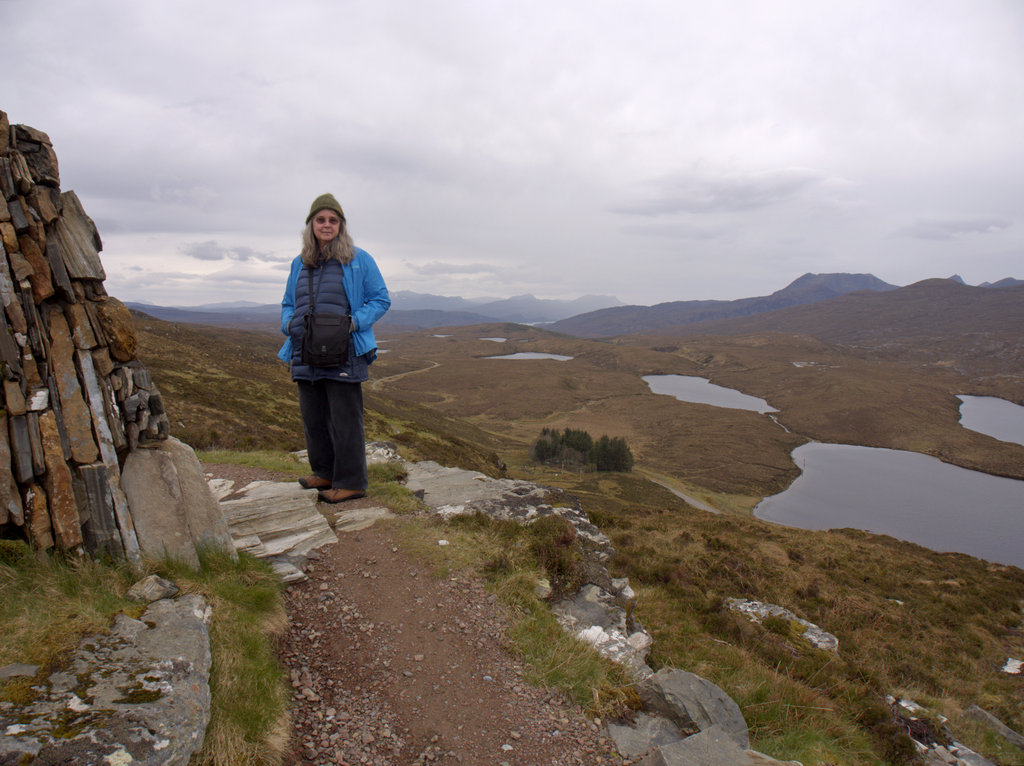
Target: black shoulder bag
325 337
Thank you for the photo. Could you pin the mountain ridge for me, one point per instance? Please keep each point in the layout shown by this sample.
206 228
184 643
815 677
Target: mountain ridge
808 288
924 309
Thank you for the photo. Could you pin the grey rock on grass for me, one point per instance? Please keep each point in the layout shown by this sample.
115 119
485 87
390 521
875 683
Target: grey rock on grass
139 695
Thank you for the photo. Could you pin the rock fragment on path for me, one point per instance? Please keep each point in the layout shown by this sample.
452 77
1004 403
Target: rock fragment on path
152 588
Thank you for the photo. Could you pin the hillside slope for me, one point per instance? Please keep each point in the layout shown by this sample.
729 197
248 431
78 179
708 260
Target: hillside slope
225 388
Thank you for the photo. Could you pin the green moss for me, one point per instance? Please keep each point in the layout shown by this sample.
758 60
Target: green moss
138 695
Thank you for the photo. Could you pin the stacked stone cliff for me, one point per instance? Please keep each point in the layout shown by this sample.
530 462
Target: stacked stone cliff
76 399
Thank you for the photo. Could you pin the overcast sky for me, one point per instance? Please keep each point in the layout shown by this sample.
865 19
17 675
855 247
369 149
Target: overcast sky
653 150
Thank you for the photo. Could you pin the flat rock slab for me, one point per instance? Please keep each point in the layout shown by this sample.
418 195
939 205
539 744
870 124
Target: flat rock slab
274 518
138 695
757 611
643 735
455 488
354 519
711 747
456 492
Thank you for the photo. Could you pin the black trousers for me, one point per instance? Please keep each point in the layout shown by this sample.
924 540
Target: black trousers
332 419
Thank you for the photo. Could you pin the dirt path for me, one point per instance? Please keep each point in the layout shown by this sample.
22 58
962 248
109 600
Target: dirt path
392 666
376 383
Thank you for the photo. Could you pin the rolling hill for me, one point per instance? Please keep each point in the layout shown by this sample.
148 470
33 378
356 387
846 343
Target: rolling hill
976 329
628 320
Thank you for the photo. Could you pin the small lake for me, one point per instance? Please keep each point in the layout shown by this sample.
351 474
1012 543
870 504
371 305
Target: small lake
688 388
532 355
994 417
495 340
905 495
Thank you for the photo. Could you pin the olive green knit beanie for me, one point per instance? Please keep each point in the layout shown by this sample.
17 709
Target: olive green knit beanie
324 202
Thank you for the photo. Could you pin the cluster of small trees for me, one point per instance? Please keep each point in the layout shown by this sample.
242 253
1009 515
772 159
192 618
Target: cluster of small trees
576 449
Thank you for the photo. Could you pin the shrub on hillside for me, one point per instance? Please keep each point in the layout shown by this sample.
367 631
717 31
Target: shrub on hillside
576 449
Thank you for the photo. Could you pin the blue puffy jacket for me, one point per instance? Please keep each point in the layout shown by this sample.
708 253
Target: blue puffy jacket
368 301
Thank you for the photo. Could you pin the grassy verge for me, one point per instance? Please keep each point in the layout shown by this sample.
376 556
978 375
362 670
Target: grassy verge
250 723
48 602
271 460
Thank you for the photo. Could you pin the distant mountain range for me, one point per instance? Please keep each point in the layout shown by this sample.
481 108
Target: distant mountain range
591 316
408 310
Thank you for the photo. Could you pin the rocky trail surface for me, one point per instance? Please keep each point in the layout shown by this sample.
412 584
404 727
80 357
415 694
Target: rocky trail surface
390 665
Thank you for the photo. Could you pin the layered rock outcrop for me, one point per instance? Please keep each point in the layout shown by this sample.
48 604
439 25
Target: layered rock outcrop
76 399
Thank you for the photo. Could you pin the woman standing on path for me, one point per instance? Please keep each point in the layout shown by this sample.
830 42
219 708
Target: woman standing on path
333 276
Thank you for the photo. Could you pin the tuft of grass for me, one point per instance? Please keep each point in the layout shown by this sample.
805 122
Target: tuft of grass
48 601
271 460
558 660
553 545
387 487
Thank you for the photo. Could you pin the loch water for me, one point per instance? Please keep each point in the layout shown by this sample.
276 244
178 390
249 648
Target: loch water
905 495
531 355
995 417
689 388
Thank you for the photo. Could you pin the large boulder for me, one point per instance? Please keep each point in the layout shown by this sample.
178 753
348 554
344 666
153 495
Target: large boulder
171 505
693 704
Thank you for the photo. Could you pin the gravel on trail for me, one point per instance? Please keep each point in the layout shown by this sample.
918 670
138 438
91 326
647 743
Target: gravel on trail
392 666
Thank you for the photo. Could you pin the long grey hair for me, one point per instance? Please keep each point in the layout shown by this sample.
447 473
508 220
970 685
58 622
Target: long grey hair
341 248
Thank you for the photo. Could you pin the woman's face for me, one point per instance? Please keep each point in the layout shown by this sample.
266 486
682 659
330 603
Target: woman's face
326 226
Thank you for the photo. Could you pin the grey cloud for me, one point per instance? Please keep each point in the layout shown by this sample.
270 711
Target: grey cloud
214 251
184 279
677 231
694 194
436 268
723 138
950 228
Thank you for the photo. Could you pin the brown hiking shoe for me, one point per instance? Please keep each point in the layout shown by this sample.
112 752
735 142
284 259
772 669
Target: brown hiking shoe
314 482
338 495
